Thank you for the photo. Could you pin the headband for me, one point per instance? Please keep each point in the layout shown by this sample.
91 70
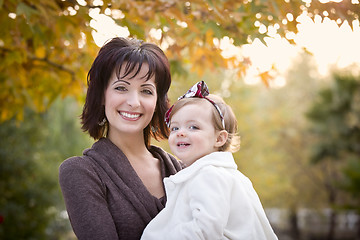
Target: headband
199 90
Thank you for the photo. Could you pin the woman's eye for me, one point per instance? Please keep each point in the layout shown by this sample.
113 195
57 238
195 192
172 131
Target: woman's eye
120 88
147 91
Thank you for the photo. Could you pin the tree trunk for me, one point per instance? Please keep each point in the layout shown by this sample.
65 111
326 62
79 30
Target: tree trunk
332 225
294 226
358 228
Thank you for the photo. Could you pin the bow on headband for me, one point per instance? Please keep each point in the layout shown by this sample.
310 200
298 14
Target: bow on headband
199 90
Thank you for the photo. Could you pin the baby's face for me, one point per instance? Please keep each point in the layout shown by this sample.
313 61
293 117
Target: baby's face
192 132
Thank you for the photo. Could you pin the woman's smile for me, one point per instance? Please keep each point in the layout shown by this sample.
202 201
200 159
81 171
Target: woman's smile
130 116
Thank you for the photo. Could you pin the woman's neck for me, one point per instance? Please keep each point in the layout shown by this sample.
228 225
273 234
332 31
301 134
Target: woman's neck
130 144
146 166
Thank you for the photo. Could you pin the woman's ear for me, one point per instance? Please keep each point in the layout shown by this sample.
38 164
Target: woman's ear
221 138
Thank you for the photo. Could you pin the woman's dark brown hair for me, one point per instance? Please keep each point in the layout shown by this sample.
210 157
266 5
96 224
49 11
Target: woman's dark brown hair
130 53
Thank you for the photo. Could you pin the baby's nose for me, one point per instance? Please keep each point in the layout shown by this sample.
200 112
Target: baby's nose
181 133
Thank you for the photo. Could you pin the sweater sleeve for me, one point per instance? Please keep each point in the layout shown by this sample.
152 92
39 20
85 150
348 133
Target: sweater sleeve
85 200
209 194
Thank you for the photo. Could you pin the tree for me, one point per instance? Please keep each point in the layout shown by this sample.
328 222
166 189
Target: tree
21 201
46 46
335 124
30 153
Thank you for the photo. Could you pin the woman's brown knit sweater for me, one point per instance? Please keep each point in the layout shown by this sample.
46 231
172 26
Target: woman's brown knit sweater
104 196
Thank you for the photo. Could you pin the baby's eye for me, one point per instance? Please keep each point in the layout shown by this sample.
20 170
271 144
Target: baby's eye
194 127
174 129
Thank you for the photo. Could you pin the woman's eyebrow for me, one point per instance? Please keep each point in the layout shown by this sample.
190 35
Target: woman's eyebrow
148 85
120 80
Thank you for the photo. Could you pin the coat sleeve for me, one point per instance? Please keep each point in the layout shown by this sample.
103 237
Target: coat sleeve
85 200
209 194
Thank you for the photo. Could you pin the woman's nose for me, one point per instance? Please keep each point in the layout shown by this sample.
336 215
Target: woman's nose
133 100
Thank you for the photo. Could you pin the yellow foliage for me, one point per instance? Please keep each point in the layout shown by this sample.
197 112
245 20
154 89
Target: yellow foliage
41 58
203 59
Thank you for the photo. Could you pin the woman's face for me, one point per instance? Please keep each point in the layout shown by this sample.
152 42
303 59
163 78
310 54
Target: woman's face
130 102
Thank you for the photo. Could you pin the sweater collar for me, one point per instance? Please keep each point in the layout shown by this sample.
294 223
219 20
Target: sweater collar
113 163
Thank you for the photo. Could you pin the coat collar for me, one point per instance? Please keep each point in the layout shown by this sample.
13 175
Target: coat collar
216 159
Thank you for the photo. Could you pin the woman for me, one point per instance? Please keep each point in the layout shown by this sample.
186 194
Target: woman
116 188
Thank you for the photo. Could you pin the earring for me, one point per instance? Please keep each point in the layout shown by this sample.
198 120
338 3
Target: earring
154 129
102 123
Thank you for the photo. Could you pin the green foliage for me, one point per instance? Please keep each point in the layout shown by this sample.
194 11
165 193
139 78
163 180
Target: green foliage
25 191
352 179
336 120
30 200
46 46
335 123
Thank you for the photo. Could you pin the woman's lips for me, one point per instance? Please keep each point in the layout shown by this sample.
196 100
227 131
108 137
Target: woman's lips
130 116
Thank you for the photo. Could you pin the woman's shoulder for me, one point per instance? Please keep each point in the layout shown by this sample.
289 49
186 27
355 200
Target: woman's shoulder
78 162
74 162
76 165
78 172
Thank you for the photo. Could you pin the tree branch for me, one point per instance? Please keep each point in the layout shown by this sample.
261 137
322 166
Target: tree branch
55 65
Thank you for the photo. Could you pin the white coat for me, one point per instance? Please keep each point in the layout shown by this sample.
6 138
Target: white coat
210 199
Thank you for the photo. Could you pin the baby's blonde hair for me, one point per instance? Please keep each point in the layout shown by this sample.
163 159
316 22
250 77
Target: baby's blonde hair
233 141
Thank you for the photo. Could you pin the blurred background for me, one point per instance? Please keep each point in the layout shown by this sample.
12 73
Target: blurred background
290 69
